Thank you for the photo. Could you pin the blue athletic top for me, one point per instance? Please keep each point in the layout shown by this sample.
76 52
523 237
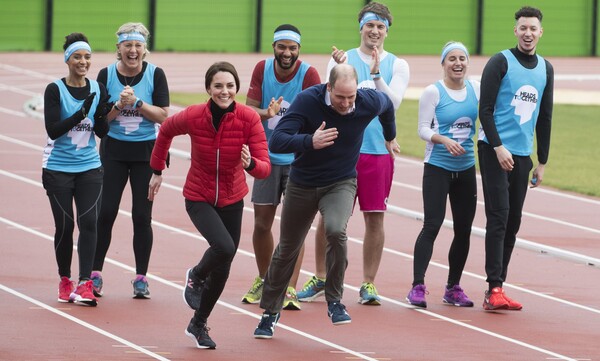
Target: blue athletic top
272 88
518 104
130 125
455 120
75 151
373 141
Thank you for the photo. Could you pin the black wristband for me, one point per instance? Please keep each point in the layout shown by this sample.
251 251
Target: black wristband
157 172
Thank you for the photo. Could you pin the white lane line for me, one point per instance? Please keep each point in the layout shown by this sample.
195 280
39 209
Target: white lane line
79 321
171 284
237 309
302 333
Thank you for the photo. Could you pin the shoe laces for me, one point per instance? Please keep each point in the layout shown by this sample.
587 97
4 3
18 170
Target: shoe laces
337 307
66 285
457 293
369 288
420 291
258 283
310 284
267 320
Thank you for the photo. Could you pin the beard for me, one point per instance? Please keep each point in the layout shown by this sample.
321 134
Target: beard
286 66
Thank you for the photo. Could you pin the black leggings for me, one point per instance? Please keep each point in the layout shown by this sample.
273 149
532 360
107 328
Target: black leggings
222 228
461 187
86 189
116 174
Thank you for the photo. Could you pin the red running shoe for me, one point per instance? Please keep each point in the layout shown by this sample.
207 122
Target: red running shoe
65 287
84 294
494 300
512 304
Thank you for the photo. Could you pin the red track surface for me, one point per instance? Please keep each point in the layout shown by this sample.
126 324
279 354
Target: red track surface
561 297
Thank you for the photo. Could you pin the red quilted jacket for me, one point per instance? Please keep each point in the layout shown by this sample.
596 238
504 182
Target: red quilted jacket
216 175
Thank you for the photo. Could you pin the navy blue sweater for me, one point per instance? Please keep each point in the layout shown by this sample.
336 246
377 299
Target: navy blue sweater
321 167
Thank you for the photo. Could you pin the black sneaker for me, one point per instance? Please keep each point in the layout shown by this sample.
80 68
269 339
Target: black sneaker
192 290
199 333
338 314
266 326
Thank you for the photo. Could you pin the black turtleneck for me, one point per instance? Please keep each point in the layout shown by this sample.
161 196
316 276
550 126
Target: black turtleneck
492 76
218 112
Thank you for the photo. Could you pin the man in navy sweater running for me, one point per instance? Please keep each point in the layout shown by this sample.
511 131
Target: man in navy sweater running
324 128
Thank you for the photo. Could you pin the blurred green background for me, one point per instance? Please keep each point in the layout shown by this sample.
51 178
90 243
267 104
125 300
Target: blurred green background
241 26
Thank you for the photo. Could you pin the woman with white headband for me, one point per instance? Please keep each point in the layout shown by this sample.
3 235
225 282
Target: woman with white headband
140 94
74 112
447 115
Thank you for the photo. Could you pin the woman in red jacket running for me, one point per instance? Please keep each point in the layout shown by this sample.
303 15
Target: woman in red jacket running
227 139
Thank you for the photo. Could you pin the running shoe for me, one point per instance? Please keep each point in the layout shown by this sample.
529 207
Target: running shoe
140 287
199 333
291 300
192 290
416 296
368 295
338 314
494 300
97 283
266 326
457 297
512 304
313 288
84 294
254 294
65 288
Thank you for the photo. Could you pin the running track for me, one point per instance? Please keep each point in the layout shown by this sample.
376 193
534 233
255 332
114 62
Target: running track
554 271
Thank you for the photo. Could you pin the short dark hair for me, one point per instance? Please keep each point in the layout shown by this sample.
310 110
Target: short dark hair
287 27
528 12
378 9
74 37
221 66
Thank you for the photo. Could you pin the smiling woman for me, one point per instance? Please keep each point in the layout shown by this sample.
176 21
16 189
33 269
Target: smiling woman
74 111
140 95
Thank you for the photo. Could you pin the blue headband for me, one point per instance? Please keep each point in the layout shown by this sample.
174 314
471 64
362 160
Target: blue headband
78 45
286 35
132 36
454 46
368 16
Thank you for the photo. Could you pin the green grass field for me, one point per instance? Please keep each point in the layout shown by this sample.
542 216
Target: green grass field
574 154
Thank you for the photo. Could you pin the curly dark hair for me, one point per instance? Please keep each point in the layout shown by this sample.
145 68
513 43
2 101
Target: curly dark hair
529 12
74 37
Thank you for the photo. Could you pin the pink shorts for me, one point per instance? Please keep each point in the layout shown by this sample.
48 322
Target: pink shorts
375 173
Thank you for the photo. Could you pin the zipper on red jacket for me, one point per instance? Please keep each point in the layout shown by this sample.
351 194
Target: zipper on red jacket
217 183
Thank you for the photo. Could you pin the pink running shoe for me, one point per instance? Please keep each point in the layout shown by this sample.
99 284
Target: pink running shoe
65 288
84 294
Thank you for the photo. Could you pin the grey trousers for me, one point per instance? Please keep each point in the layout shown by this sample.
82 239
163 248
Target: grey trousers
301 204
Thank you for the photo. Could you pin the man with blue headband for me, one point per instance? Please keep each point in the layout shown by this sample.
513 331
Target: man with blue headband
274 85
377 69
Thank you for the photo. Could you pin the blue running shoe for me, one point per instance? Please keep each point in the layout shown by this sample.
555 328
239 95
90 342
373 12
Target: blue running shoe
266 326
313 288
140 287
97 283
368 295
338 314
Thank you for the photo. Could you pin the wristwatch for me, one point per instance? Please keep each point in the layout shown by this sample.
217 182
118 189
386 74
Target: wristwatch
116 107
138 103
